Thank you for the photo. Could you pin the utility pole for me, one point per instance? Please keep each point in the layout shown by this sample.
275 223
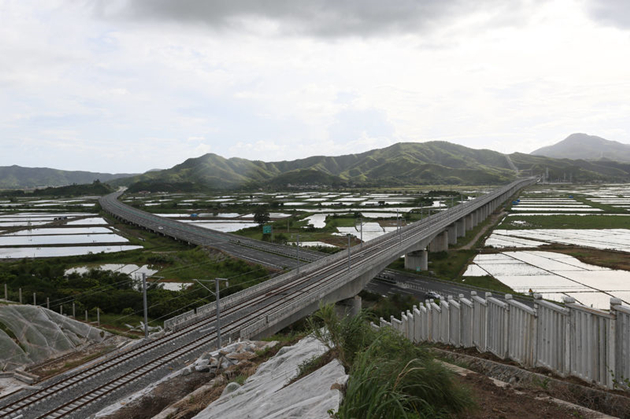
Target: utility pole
361 219
216 287
298 253
144 302
348 252
216 295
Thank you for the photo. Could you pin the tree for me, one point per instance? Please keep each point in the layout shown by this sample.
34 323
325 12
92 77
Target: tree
261 216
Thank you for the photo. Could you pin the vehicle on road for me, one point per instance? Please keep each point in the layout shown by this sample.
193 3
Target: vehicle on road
433 295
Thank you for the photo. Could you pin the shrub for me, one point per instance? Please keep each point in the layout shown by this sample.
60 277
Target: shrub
390 377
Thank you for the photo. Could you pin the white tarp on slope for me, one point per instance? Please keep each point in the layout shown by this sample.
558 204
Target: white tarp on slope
266 394
40 333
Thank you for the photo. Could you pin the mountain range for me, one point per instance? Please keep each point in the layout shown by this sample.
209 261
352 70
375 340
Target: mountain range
428 163
399 164
586 147
17 177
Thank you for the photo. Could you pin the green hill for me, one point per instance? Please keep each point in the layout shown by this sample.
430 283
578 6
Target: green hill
400 164
17 177
575 170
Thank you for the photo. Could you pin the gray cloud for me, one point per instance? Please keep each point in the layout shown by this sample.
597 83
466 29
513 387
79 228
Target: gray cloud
610 12
322 18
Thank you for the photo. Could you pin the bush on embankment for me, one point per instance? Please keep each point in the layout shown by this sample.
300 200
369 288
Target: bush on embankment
390 377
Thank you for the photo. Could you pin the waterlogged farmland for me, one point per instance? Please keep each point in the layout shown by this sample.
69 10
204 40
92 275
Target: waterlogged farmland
562 218
39 228
320 218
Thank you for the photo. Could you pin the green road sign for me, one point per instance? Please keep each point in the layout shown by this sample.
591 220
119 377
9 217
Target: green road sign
266 229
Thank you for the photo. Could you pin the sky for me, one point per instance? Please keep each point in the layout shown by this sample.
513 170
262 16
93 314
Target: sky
127 86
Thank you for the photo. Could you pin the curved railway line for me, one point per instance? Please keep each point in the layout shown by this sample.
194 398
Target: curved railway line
88 389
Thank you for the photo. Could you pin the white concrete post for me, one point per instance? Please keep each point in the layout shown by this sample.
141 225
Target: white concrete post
622 342
552 336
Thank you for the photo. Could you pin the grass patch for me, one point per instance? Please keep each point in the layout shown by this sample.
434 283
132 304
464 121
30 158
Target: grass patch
487 282
239 379
606 258
447 265
450 264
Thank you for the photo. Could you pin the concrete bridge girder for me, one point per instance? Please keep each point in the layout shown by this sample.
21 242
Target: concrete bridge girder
345 292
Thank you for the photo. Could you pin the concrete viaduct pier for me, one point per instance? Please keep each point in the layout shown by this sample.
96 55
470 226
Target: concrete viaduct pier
418 260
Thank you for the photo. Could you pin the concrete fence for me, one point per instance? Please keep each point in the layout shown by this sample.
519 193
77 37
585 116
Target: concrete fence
573 339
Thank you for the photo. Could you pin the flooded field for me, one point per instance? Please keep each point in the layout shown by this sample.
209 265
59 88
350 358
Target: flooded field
26 231
135 272
554 275
612 239
571 211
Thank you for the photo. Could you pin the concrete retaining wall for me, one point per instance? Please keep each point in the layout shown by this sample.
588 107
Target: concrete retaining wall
591 344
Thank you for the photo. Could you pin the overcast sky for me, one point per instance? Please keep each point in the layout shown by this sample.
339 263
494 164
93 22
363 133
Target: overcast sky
128 86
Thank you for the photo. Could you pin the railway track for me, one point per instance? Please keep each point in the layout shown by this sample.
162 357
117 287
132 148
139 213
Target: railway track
91 388
238 316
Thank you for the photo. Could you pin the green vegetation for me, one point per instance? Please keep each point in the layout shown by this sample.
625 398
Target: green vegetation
378 306
577 170
390 377
487 282
16 177
116 294
429 163
94 188
450 265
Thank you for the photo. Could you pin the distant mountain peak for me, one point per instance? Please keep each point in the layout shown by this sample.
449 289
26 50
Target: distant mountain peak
586 147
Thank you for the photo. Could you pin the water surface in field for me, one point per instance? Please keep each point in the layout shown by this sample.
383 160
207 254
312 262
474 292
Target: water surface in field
44 252
615 239
554 275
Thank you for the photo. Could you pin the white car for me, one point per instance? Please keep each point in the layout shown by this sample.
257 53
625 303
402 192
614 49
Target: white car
432 295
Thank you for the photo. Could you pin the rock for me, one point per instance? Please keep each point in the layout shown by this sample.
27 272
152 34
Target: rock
230 388
202 365
218 381
187 371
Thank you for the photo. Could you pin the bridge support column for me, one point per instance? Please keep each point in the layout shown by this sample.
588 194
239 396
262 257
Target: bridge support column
461 227
470 222
452 234
418 261
348 308
439 243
